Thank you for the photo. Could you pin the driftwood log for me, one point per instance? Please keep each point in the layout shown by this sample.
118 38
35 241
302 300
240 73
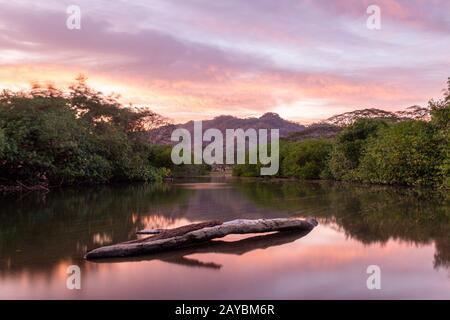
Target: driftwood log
182 256
189 235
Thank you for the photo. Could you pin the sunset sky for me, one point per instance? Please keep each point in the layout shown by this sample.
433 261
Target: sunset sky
197 59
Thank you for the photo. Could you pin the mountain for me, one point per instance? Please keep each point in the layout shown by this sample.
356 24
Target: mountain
315 131
292 131
269 120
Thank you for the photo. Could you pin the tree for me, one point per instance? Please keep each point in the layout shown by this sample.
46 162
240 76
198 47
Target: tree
49 136
349 145
349 118
2 142
408 153
306 159
440 117
96 108
440 110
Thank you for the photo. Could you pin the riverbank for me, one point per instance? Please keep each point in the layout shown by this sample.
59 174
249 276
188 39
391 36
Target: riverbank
20 187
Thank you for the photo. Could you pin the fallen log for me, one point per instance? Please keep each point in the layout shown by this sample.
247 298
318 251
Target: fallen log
238 247
185 236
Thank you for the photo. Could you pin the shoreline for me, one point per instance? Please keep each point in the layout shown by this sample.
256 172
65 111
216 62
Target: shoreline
21 188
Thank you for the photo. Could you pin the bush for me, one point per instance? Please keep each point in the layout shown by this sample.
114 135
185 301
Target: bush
440 111
349 144
306 159
408 153
440 117
246 170
2 142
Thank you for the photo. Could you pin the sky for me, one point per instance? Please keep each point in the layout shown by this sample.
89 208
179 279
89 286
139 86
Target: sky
196 59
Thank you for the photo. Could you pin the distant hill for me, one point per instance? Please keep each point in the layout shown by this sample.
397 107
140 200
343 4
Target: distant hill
289 130
330 127
267 121
315 131
347 118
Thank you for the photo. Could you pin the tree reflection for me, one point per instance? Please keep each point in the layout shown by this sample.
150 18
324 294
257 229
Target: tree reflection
38 232
369 214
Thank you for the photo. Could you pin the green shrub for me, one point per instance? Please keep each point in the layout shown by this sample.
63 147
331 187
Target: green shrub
306 159
408 153
246 170
349 144
440 117
2 142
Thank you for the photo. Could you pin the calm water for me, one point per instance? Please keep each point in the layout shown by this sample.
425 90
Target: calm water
405 232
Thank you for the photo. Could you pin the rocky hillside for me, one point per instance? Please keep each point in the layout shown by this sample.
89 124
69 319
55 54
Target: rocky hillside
267 121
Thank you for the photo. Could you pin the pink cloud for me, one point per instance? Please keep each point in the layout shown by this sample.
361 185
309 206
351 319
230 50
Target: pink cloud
203 58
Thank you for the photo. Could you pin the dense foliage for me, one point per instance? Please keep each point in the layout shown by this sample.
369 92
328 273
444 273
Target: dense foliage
48 136
412 151
440 118
306 159
349 146
408 153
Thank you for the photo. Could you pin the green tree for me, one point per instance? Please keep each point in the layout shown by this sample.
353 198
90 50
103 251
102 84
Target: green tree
440 110
408 153
49 136
440 117
349 145
305 160
2 142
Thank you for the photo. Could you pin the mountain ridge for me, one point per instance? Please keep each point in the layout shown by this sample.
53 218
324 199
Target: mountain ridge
269 120
291 130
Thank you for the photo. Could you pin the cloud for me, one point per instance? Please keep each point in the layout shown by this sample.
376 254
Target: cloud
199 58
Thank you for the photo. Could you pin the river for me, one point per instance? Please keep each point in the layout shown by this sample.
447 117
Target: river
405 232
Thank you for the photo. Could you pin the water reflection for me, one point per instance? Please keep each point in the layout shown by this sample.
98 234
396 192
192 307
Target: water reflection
41 235
238 247
37 232
369 214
